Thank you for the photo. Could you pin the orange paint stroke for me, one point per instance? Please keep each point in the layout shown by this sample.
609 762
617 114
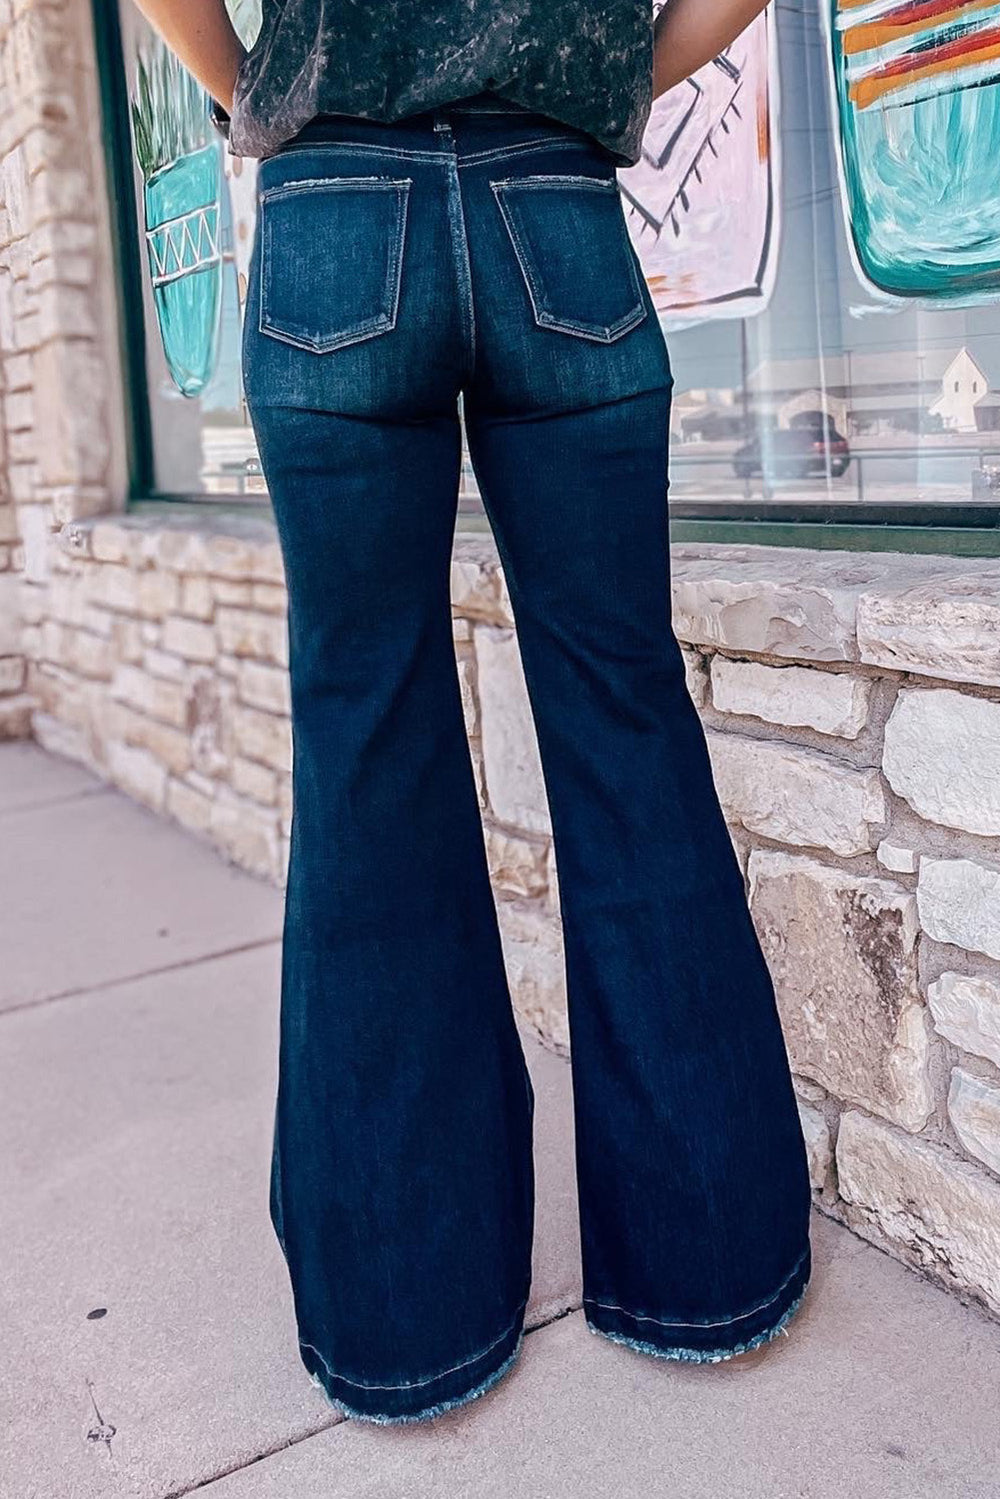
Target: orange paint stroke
870 34
763 127
867 90
675 291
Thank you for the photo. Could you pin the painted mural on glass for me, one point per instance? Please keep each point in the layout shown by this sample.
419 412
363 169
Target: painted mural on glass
701 203
917 95
195 206
177 151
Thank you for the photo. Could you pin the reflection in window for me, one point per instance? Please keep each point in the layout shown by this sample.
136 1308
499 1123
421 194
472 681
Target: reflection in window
818 216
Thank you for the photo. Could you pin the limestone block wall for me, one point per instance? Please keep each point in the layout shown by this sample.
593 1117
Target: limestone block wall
852 706
14 719
61 410
14 702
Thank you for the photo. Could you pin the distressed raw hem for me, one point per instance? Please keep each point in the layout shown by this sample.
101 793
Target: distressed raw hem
692 1355
315 1366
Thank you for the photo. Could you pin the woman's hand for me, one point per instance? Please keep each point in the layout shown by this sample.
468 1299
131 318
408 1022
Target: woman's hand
202 35
689 33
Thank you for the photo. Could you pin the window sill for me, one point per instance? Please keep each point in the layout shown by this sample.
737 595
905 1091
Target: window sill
182 538
937 616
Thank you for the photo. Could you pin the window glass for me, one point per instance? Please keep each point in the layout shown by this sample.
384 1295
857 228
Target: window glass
194 207
816 212
818 217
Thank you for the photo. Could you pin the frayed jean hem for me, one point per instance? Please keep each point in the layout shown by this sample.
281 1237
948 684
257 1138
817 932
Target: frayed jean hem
324 1377
759 1324
703 1355
429 1412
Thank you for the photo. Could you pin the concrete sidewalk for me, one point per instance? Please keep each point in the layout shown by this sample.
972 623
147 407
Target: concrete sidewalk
147 1341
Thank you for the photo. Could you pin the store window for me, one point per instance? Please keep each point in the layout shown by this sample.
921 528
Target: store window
816 212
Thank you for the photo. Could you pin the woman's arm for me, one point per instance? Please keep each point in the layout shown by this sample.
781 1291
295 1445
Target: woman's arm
688 33
202 35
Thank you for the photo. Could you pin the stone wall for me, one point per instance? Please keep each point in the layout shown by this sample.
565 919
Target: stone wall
14 715
852 705
14 701
62 427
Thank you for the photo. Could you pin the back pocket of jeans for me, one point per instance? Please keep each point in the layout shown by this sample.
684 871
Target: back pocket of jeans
331 259
573 247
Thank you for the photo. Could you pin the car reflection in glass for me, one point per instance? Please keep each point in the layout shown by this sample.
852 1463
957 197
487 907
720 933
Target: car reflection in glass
798 452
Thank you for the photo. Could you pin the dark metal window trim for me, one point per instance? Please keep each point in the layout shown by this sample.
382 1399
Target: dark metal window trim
125 240
971 530
885 536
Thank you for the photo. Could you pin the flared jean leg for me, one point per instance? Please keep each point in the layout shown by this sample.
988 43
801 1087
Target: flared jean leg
402 1177
693 1185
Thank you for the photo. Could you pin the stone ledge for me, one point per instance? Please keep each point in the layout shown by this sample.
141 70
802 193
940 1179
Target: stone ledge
238 545
935 616
188 539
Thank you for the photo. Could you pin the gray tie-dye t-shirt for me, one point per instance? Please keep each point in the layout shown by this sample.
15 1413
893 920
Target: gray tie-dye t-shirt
585 63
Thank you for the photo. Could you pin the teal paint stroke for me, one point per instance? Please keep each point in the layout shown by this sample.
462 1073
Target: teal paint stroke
182 204
920 180
180 157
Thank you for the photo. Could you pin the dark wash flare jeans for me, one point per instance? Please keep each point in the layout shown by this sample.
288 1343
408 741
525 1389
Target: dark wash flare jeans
482 249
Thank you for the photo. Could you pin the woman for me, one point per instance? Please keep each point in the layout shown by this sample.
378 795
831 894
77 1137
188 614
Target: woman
438 215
